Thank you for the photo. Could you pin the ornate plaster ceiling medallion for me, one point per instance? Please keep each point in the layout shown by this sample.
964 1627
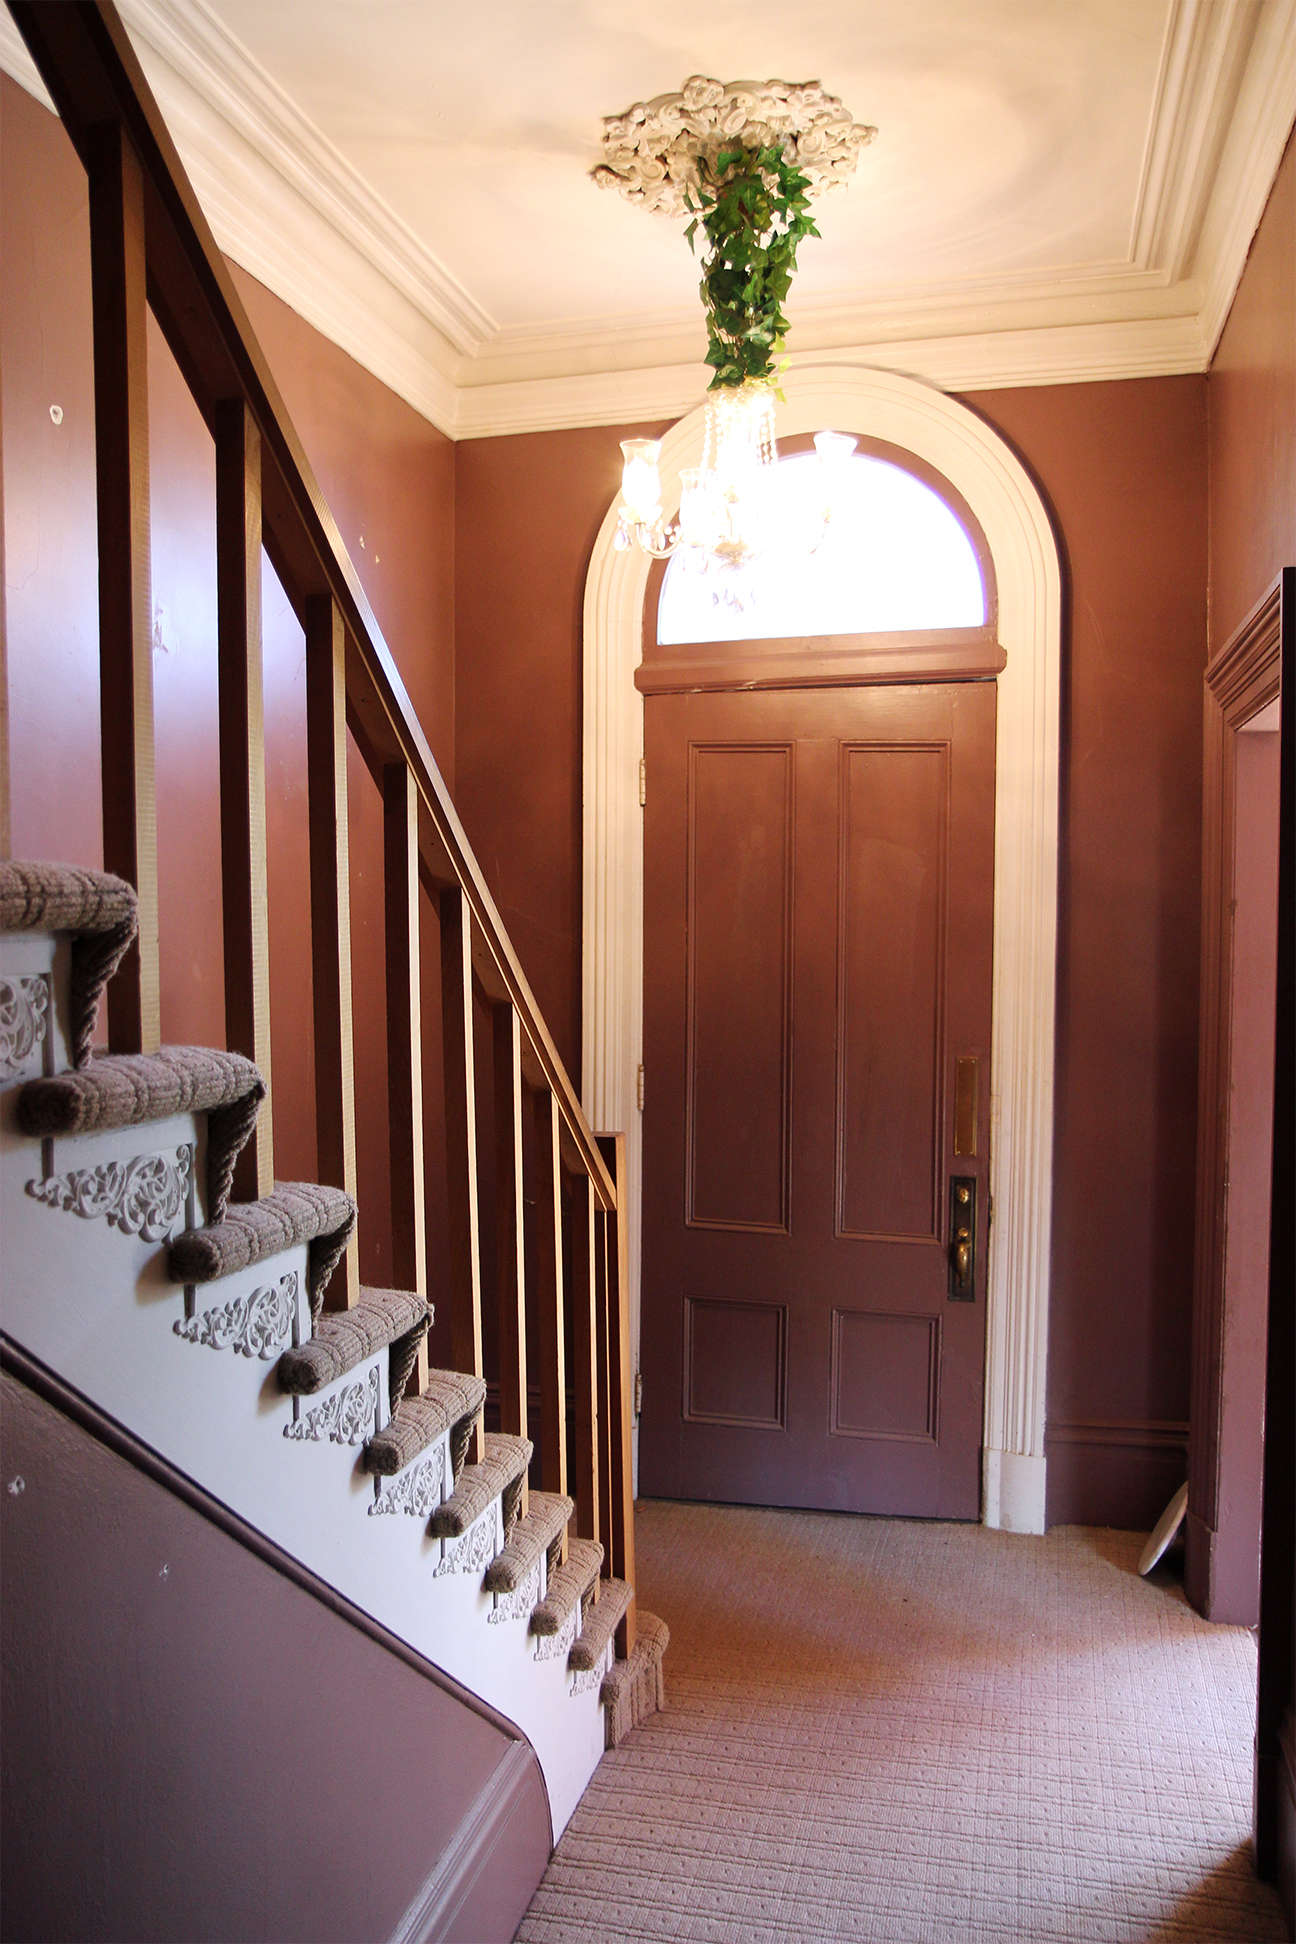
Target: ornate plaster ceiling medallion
651 151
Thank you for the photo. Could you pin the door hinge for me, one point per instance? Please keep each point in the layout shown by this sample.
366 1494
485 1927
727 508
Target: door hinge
638 1398
639 1087
643 781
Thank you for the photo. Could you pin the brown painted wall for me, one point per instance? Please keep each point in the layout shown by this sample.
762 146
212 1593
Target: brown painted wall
1124 468
197 1746
389 477
1252 394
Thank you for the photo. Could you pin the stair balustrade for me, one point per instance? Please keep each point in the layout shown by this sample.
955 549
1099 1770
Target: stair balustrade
150 245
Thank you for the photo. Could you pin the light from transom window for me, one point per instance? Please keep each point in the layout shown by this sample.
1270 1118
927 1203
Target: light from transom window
893 559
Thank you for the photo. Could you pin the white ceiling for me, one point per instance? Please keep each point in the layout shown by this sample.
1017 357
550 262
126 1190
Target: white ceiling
1059 189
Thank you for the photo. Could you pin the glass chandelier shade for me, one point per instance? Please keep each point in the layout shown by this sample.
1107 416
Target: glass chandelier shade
724 508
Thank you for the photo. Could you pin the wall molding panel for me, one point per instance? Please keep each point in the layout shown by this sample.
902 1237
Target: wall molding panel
979 464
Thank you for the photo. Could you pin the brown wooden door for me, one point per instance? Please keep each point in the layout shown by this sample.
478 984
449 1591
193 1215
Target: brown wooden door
818 917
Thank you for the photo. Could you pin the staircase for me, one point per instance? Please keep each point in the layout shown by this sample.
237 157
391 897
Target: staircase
199 1324
153 1263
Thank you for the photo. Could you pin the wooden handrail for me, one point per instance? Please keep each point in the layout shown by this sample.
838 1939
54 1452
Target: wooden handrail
94 78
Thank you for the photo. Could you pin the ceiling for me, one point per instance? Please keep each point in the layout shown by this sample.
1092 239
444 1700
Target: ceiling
1059 189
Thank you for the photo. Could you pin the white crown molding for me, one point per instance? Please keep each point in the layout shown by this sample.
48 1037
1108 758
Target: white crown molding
992 480
980 361
290 209
17 63
1261 127
248 105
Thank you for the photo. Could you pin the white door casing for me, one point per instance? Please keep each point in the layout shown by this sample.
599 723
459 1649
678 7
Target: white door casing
1001 494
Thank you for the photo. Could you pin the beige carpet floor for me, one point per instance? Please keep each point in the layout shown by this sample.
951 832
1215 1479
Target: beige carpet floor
918 1734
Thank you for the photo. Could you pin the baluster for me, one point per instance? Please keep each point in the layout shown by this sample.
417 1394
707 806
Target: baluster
330 871
464 1265
620 1398
510 1243
585 1336
404 1039
242 771
604 1393
117 278
549 1265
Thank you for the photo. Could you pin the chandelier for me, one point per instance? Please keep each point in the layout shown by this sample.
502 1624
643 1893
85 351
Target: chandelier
741 160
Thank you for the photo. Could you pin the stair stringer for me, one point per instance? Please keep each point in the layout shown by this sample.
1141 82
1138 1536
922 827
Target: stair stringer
95 1306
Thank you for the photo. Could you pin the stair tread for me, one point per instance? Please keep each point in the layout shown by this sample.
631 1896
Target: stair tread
506 1460
128 1089
599 1625
532 1536
447 1399
633 1689
295 1212
344 1338
572 1580
101 912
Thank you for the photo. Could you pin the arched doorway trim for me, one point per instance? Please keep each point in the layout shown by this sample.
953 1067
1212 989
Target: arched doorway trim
1001 494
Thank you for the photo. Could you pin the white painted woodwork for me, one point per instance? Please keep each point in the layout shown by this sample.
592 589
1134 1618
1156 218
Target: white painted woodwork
978 463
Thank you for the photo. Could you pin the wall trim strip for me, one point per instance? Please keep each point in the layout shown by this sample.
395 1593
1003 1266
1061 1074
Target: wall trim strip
978 463
481 1835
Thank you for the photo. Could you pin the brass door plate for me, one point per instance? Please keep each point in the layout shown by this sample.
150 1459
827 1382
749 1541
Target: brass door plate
966 1075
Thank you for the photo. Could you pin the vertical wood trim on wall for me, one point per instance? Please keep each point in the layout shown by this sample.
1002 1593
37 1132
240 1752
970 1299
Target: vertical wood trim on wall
1003 497
242 773
330 872
117 274
1241 680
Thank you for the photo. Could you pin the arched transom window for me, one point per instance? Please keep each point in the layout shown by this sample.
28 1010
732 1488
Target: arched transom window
895 558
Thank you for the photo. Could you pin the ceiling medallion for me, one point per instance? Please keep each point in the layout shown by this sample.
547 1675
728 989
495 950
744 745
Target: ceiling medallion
651 152
741 160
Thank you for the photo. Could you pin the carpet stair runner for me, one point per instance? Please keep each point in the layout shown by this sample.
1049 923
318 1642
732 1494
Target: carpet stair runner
539 1532
568 1587
344 1338
105 1091
499 1476
448 1401
295 1212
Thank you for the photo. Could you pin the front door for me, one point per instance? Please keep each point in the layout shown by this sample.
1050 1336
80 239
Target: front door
817 974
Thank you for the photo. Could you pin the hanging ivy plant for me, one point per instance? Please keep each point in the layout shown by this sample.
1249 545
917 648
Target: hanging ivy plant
753 207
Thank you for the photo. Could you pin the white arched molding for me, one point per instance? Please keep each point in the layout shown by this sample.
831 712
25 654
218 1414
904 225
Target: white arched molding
1000 493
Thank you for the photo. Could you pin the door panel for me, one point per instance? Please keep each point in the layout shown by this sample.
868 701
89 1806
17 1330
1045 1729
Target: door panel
739 1009
895 808
818 899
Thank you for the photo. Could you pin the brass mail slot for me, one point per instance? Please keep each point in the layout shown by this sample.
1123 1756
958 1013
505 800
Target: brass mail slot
965 1106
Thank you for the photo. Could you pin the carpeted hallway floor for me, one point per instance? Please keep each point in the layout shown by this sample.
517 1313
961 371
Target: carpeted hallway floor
898 1733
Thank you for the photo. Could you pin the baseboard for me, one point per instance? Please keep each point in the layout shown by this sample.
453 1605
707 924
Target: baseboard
1119 1472
1013 1491
473 1890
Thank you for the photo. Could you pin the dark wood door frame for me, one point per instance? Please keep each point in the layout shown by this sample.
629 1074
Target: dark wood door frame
1275 1751
1223 1457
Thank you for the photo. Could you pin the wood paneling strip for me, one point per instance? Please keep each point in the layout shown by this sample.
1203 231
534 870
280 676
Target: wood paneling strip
404 1038
330 870
118 281
242 773
510 1243
618 1436
550 1293
585 1341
